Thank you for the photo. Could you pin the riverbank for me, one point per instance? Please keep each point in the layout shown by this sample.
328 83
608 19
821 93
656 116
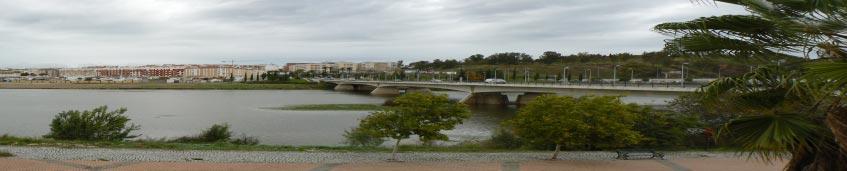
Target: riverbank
163 86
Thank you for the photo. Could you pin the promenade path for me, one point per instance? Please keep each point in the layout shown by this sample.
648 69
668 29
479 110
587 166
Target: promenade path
47 158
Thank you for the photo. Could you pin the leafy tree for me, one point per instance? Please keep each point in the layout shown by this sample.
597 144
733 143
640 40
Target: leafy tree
508 58
422 114
800 111
594 122
97 124
664 129
550 57
363 137
505 139
475 59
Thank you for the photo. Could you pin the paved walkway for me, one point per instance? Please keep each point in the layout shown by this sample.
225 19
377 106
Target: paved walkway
539 165
52 158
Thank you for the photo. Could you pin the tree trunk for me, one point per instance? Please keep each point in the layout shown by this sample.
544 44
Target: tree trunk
556 153
394 152
836 119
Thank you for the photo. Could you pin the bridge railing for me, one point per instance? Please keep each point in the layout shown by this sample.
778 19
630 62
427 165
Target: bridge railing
668 85
688 87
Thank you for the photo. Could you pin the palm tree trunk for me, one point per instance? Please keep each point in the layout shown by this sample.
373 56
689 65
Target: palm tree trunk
556 153
394 152
836 119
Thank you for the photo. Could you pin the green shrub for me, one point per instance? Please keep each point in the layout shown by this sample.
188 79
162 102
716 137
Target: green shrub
6 154
505 139
245 140
362 138
216 133
97 124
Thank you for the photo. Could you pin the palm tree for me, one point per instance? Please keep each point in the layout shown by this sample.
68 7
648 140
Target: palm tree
801 110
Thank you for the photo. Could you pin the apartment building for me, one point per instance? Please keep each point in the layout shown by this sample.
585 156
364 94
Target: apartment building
340 67
222 71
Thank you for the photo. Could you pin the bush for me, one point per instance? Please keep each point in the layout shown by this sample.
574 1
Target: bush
245 140
505 139
216 133
6 154
97 124
362 138
663 129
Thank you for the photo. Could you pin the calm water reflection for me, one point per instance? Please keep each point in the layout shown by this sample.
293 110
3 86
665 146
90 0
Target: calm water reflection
172 113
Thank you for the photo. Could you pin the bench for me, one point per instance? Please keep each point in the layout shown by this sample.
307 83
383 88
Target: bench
626 154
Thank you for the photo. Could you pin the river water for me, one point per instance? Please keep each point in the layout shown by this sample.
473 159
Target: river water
174 113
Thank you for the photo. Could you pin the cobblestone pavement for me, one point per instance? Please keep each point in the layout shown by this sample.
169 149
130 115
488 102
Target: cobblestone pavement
49 158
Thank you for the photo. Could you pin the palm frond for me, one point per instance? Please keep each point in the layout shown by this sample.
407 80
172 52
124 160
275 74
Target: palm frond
770 136
833 72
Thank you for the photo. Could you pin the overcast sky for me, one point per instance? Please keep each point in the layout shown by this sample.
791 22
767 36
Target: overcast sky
39 33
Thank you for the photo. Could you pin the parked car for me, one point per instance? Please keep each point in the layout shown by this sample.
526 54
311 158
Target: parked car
495 81
435 81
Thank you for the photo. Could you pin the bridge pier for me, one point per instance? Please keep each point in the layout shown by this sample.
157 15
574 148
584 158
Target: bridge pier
345 87
528 97
385 91
485 99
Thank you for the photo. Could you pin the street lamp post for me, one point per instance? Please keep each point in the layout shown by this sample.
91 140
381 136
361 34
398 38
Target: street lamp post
683 74
565 75
615 74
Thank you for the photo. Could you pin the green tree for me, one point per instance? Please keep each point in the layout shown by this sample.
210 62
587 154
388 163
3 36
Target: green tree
475 59
594 122
799 111
536 77
664 129
422 114
96 124
363 137
550 57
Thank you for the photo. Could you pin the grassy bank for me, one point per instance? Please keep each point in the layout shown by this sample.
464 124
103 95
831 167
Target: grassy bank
163 86
348 107
159 144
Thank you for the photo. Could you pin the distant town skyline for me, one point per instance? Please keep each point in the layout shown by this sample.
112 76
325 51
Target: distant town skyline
55 33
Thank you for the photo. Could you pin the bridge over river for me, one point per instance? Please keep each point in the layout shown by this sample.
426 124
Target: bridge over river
486 93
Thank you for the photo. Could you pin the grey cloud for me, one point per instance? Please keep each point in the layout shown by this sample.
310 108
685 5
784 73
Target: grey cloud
203 31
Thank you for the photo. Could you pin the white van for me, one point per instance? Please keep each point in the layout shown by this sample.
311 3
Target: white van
495 81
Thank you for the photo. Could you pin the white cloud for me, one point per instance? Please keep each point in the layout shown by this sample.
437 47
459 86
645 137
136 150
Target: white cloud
72 33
